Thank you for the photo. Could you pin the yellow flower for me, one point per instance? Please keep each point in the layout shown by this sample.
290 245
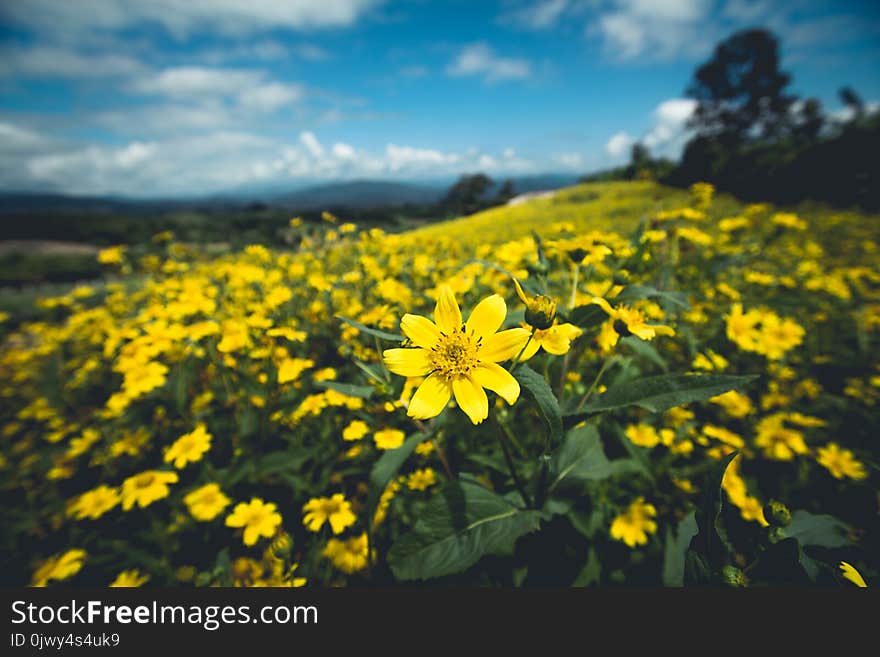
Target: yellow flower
291 368
258 518
555 340
726 436
349 555
206 502
145 488
384 501
389 438
742 327
852 575
779 442
94 503
421 479
356 430
633 526
840 463
734 403
631 321
59 567
643 435
111 255
458 358
129 579
189 448
335 510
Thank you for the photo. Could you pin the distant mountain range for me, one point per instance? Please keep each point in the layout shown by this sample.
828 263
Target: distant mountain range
359 194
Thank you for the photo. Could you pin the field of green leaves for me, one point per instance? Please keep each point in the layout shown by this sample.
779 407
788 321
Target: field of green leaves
622 384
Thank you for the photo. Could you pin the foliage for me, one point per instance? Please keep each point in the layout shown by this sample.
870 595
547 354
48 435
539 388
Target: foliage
229 418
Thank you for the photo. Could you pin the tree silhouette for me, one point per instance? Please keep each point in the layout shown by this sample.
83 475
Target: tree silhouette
466 195
740 92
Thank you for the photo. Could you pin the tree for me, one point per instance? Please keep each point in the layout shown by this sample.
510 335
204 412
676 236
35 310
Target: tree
466 195
740 92
506 192
640 157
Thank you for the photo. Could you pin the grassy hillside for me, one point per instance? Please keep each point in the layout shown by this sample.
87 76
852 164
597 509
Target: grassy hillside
228 418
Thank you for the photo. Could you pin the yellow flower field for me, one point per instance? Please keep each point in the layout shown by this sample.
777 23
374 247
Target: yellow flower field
608 386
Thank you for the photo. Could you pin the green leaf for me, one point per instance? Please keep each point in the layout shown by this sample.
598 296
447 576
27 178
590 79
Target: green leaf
591 572
363 392
248 422
579 458
378 333
646 350
587 525
659 393
675 548
369 371
820 530
635 292
587 316
387 467
461 523
708 543
542 258
537 389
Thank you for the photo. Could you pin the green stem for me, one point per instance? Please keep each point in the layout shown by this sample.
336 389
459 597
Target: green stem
385 371
515 361
595 383
574 287
566 361
512 439
510 466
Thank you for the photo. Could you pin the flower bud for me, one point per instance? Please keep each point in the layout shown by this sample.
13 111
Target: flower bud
281 545
777 514
540 309
733 576
577 255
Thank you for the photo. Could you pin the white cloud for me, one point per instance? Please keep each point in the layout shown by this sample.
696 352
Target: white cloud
619 144
270 97
669 127
222 160
58 62
479 59
212 90
539 15
197 82
659 28
184 18
569 160
665 137
746 10
312 144
407 157
343 151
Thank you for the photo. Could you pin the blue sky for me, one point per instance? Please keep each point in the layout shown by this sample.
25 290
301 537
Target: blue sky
168 98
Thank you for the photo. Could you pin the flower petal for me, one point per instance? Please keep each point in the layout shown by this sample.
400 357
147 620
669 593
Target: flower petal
487 317
430 398
503 346
497 379
554 342
420 330
407 362
471 398
446 312
604 305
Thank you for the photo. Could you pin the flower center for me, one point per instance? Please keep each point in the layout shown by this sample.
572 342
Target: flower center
145 480
455 354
